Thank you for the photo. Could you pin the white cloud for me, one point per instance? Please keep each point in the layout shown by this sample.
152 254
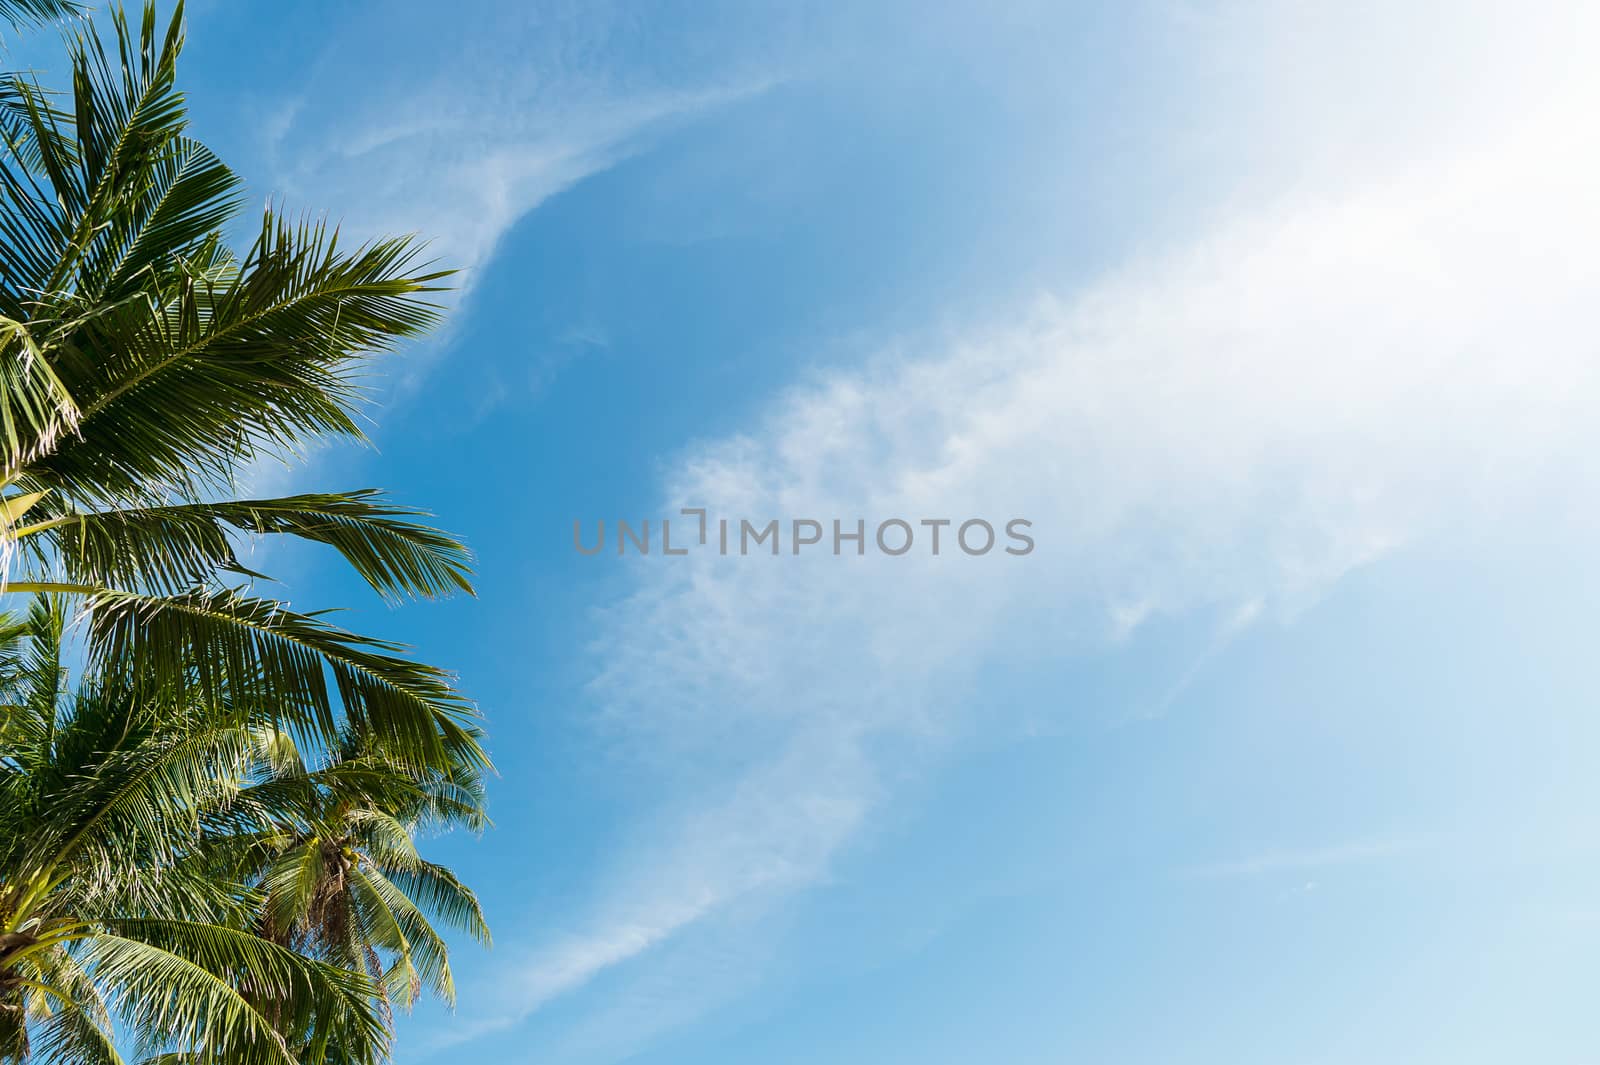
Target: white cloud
534 99
461 179
1227 427
1397 348
414 147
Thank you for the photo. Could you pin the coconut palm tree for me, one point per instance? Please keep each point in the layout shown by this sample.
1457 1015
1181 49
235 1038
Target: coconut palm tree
145 366
151 815
344 881
119 805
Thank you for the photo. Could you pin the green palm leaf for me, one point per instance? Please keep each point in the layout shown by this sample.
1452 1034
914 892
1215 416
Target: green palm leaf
254 652
25 13
173 548
179 983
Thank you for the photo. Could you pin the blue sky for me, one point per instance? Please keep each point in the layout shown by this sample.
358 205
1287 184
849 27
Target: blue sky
1276 320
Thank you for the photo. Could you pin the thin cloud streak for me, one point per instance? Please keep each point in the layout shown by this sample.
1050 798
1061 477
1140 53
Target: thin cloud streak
553 95
462 181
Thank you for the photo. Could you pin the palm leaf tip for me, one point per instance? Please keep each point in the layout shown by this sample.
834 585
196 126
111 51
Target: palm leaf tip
26 14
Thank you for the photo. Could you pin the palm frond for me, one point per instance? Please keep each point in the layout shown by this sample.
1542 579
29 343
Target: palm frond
175 547
180 386
397 923
22 14
255 652
437 890
228 992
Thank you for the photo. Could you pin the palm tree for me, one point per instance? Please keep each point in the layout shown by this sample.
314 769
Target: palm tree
211 837
144 366
118 808
344 881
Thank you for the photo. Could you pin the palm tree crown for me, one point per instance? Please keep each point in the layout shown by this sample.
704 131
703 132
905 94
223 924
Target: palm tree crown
122 812
208 840
144 365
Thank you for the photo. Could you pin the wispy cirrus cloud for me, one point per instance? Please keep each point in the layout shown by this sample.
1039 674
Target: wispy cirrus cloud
462 178
535 99
1224 428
